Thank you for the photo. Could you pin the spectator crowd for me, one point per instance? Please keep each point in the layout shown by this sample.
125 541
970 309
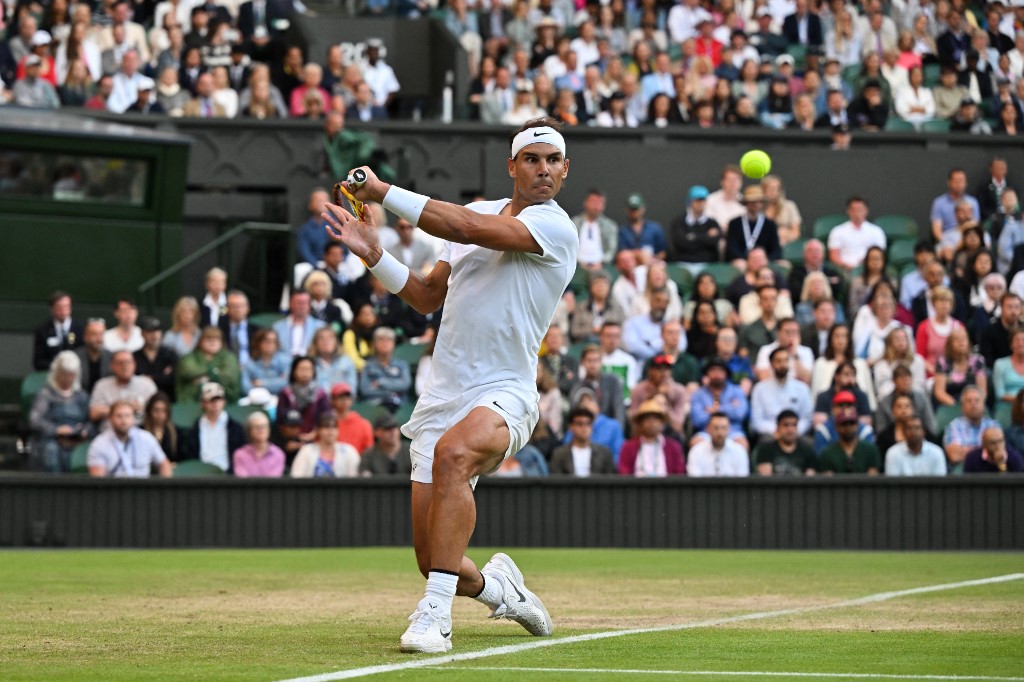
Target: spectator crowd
794 64
731 339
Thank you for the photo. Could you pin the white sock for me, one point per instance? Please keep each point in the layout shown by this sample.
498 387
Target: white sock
493 593
441 587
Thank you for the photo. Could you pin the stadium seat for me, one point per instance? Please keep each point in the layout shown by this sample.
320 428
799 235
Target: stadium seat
241 412
410 352
1004 411
576 349
196 467
798 51
901 252
404 412
79 458
682 277
794 252
932 75
898 227
851 73
824 225
30 386
938 125
895 124
944 415
724 273
265 319
369 410
184 415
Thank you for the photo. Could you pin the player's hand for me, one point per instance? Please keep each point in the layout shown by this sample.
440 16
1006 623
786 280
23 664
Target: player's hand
373 189
358 237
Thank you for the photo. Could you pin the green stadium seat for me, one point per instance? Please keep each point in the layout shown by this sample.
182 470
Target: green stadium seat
932 75
895 124
939 125
798 51
30 386
410 352
184 415
682 277
192 468
944 415
794 252
265 319
576 349
241 412
1004 411
824 225
898 227
901 252
404 412
724 273
851 73
369 410
79 458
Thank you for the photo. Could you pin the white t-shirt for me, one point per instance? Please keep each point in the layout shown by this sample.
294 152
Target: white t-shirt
581 460
731 460
803 353
500 304
591 250
853 243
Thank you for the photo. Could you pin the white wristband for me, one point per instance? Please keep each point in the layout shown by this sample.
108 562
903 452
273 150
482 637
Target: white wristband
391 272
405 204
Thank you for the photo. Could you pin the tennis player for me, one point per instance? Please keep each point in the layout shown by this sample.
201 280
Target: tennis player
502 271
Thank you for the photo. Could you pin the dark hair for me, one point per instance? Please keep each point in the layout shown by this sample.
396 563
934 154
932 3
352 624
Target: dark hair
588 349
700 278
1017 413
786 414
856 198
840 367
58 295
580 412
332 245
147 418
954 170
830 350
257 341
535 123
296 361
776 351
593 191
823 301
923 246
970 276
326 419
765 288
125 299
900 371
719 415
696 308
885 259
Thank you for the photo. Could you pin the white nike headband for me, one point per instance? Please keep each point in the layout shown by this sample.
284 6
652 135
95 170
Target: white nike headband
544 134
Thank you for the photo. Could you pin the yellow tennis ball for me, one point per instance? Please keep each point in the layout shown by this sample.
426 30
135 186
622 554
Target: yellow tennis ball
755 164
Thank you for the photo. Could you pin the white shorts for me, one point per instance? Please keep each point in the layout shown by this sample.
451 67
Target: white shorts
434 416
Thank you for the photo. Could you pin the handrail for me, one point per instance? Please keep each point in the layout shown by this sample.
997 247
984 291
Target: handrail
248 226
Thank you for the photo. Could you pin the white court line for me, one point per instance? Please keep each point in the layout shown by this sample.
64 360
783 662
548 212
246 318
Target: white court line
739 673
549 641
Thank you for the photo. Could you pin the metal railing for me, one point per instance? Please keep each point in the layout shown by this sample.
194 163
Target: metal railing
147 292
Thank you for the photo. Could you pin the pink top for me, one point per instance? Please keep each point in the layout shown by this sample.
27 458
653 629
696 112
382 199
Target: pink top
250 465
930 344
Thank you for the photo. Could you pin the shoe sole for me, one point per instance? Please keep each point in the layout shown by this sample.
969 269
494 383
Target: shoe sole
440 649
510 565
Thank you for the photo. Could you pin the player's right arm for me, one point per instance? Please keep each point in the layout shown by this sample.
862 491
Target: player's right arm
426 294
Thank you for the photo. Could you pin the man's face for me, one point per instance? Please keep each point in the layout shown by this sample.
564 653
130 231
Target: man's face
814 254
405 231
123 366
972 405
61 308
857 212
238 308
914 433
757 260
964 213
582 428
659 304
651 426
204 86
126 314
92 336
539 170
824 316
768 298
555 339
1011 310
902 409
998 169
592 364
610 338
957 182
725 343
789 335
671 333
780 365
788 431
731 182
846 377
994 443
934 274
383 346
212 408
122 420
386 437
625 261
847 430
333 257
593 205
718 429
299 305
716 378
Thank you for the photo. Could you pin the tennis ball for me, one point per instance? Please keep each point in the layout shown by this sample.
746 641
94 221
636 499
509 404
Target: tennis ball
755 164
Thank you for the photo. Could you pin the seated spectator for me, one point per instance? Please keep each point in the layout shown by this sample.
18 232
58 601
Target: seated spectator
915 282
353 428
215 434
286 433
607 387
778 393
933 332
295 332
915 456
649 454
32 90
423 367
902 381
752 278
993 456
303 394
787 454
357 341
312 76
203 105
760 333
184 333
318 286
718 395
659 381
898 351
749 307
943 211
694 236
599 235
268 366
126 335
214 303
838 350
977 268
702 329
964 432
725 203
816 290
95 359
124 385
705 289
386 380
326 457
848 242
614 359
549 402
957 368
312 235
816 332
864 283
844 378
239 332
644 237
641 334
718 455
849 454
1008 372
631 279
259 457
555 358
390 452
914 102
869 111
995 339
58 333
874 322
657 279
801 358
752 229
208 362
827 419
581 456
740 371
124 450
968 119
154 360
598 307
331 366
157 421
60 416
814 261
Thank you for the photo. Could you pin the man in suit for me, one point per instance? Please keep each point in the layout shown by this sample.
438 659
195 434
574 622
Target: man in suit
59 332
295 332
581 457
363 109
264 21
95 358
500 100
607 387
203 105
491 23
990 191
815 334
878 34
599 235
921 306
134 34
238 332
414 252
803 26
814 261
954 42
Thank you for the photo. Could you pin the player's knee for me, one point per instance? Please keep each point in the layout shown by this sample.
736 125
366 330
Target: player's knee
453 460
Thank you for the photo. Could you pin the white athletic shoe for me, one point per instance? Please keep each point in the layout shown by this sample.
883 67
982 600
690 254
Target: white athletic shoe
518 603
430 631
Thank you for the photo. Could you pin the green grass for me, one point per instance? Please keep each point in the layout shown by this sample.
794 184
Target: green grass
267 615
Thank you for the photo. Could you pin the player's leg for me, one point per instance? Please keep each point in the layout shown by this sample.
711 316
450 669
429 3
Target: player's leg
470 579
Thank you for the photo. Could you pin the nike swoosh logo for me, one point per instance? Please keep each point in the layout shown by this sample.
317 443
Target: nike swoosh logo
521 597
446 635
500 407
538 134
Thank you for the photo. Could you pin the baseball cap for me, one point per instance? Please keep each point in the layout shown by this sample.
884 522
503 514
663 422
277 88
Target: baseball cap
291 418
375 43
385 421
523 85
698 192
844 398
785 59
635 200
763 11
40 38
146 83
211 390
662 361
340 388
150 324
33 60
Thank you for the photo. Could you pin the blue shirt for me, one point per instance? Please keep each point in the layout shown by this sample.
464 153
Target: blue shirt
962 432
931 461
732 403
656 83
944 209
651 235
312 237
